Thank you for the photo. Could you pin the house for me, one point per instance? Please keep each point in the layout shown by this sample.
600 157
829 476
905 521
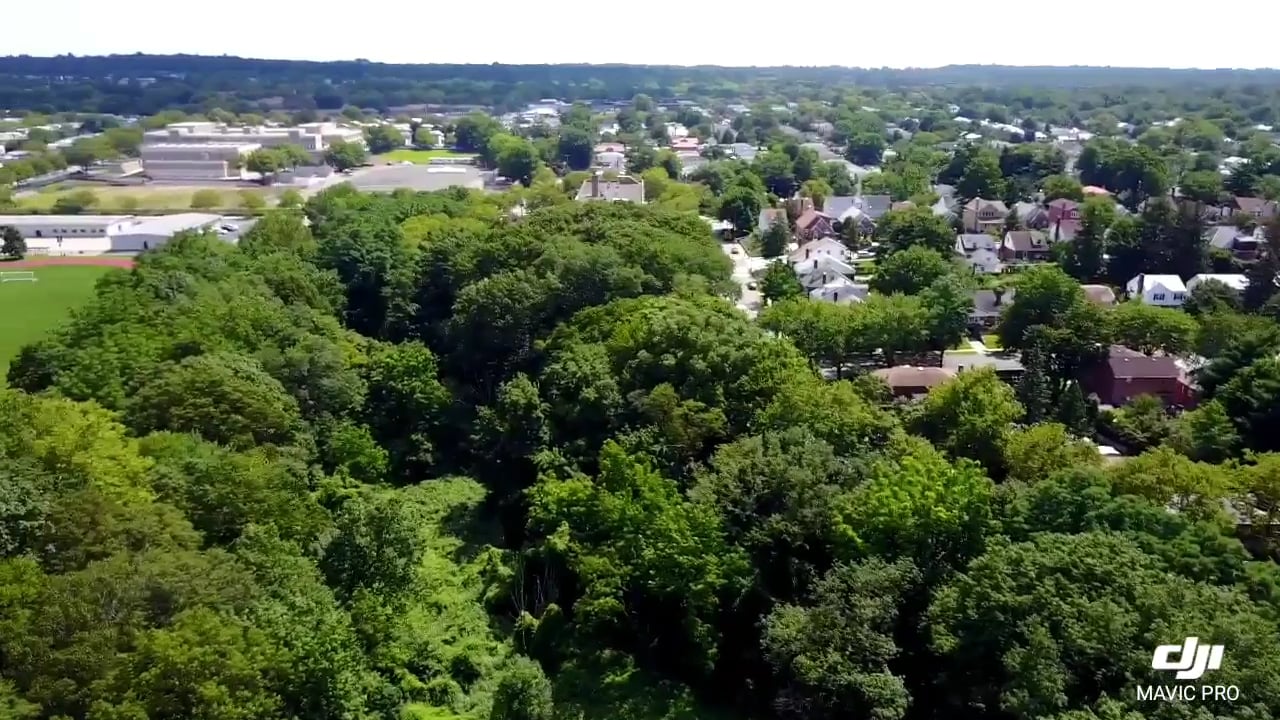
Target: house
911 381
981 252
743 151
873 206
981 215
822 247
611 160
1126 374
622 189
841 291
1242 245
1031 216
686 144
1162 290
988 306
1007 366
1064 219
812 224
1025 246
821 270
845 209
1101 294
1235 281
768 217
944 209
1259 209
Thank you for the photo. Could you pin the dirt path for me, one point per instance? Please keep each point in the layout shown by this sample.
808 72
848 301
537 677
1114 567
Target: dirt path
99 260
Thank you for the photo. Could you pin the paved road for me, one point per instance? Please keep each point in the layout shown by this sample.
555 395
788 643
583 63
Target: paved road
751 300
243 225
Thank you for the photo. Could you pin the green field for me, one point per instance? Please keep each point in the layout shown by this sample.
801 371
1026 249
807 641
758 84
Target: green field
419 157
32 309
119 199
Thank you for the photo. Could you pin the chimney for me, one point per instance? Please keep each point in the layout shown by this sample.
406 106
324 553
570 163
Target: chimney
595 184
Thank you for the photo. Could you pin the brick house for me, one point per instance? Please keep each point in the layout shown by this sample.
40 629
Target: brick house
910 381
1126 374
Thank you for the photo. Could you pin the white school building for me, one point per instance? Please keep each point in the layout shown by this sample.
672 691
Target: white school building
98 234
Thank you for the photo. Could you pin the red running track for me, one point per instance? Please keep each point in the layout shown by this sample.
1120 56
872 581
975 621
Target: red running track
99 260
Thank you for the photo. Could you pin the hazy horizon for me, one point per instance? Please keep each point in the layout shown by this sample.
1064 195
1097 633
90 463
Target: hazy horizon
928 34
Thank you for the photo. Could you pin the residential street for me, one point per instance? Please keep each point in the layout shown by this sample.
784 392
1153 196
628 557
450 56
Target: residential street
743 264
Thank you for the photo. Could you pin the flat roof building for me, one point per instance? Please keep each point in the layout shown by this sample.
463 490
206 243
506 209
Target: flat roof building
208 150
95 234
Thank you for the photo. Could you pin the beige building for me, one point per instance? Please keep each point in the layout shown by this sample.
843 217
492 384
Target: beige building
208 150
623 188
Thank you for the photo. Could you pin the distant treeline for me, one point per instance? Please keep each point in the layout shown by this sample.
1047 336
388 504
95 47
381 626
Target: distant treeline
146 84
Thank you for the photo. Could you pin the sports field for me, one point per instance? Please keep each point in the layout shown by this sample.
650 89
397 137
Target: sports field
29 310
418 157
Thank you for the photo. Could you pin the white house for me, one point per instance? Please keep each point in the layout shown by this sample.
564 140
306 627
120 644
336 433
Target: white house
841 291
823 247
1162 290
1235 281
824 263
980 252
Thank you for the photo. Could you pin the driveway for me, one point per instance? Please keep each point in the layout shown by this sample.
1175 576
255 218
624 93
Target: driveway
751 300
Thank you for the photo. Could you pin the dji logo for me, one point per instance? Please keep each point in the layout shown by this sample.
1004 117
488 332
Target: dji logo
1191 659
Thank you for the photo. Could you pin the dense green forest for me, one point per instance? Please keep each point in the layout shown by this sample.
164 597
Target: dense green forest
418 460
148 84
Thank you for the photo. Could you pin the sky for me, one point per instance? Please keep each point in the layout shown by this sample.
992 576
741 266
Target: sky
904 33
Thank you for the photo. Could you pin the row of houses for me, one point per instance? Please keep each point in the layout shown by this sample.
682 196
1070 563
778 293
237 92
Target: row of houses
1121 377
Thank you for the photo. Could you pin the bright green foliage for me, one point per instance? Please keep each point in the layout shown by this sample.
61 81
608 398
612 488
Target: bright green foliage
637 548
425 457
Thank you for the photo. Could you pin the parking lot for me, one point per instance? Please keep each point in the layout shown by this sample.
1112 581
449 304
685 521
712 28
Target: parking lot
422 178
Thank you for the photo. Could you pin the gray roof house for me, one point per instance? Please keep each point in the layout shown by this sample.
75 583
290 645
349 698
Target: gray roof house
744 151
1033 216
875 206
988 304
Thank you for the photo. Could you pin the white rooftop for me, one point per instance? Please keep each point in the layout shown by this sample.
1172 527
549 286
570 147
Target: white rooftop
205 146
56 220
171 224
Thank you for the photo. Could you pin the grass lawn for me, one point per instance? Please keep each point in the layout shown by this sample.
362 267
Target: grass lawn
991 341
32 309
117 199
419 157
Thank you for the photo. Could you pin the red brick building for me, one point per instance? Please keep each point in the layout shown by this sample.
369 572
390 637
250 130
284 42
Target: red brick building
1126 374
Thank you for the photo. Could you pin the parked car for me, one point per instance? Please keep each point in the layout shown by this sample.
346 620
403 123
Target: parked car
752 286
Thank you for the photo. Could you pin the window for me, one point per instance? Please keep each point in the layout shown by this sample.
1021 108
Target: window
1179 296
1157 296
